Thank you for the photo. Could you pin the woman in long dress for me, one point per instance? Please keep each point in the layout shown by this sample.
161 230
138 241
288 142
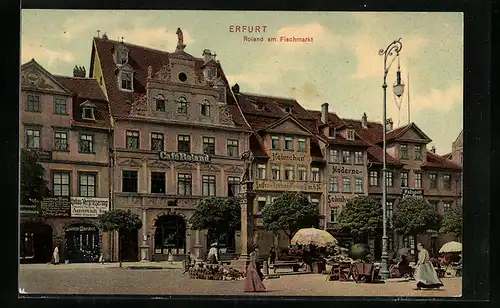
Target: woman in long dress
253 283
55 256
425 274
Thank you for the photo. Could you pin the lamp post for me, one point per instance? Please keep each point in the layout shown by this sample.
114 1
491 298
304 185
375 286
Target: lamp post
388 53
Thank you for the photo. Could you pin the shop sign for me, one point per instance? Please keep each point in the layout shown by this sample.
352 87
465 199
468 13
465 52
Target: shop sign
412 192
188 157
88 207
55 207
288 157
287 186
344 170
29 209
81 229
340 199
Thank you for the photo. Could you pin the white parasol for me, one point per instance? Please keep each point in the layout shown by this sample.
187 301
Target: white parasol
317 237
451 247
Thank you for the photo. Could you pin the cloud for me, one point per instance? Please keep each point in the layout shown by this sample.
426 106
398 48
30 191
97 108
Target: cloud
307 92
42 54
439 99
319 34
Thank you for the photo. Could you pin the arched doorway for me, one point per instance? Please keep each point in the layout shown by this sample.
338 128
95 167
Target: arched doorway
170 236
35 242
82 243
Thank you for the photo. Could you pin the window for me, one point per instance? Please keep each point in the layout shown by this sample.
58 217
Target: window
261 203
261 172
404 179
33 103
183 144
302 173
288 109
233 186
275 143
432 180
446 206
373 178
331 132
350 134
388 211
418 152
315 174
334 156
160 103
302 144
275 172
126 80
346 185
346 157
388 177
334 184
156 142
182 105
205 108
129 181
289 173
418 180
87 185
209 145
358 158
60 106
88 113
132 140
182 76
359 185
184 184
60 184
209 185
232 148
403 151
32 138
61 141
158 182
86 143
447 181
334 214
122 56
288 143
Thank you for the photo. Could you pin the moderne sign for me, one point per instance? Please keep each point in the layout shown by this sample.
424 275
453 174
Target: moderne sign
287 185
189 157
88 207
343 170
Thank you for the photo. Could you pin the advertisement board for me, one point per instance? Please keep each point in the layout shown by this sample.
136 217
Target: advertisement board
88 207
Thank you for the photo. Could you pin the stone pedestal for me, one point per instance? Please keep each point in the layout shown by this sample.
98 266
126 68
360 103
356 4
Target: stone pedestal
247 233
144 252
197 246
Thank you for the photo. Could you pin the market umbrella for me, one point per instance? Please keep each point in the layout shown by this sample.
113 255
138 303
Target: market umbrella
313 236
451 247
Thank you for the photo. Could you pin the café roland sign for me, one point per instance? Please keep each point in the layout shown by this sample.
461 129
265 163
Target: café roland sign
88 207
187 157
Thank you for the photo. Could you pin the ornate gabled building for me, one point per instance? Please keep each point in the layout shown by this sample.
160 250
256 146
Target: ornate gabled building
178 137
287 156
65 120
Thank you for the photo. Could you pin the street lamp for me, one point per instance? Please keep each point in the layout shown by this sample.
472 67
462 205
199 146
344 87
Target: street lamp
388 53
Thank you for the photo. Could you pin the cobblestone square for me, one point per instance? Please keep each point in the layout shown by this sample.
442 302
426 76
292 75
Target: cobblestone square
109 279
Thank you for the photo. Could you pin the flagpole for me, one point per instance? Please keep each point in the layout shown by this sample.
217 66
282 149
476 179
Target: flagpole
408 83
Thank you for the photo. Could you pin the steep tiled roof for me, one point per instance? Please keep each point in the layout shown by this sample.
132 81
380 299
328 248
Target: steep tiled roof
87 89
256 146
140 58
333 118
437 161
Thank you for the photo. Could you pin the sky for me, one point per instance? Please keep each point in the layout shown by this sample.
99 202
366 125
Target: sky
341 66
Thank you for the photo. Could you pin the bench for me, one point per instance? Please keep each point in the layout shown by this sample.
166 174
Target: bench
294 265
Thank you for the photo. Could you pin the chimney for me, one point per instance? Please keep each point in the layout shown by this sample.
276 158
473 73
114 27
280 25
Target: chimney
388 124
79 71
433 149
364 121
207 55
324 113
214 55
104 36
236 88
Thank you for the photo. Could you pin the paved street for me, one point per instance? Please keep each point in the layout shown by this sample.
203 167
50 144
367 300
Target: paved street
109 279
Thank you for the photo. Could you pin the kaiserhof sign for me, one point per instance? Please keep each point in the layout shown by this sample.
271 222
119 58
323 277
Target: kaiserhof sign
188 157
288 157
88 207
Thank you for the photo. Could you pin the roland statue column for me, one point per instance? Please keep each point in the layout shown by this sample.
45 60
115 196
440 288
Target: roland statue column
248 197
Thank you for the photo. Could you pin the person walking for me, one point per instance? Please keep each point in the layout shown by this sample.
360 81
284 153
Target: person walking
55 256
272 256
212 254
425 274
187 262
253 281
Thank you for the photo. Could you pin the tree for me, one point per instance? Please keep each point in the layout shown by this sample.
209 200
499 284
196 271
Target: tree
361 216
414 216
452 222
290 212
220 216
33 184
121 221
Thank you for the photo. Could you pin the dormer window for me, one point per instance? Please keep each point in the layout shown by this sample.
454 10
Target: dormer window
160 103
121 55
210 72
205 108
88 110
350 134
288 109
331 132
126 81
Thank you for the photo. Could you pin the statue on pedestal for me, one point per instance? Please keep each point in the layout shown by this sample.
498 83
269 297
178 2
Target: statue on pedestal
247 157
180 40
